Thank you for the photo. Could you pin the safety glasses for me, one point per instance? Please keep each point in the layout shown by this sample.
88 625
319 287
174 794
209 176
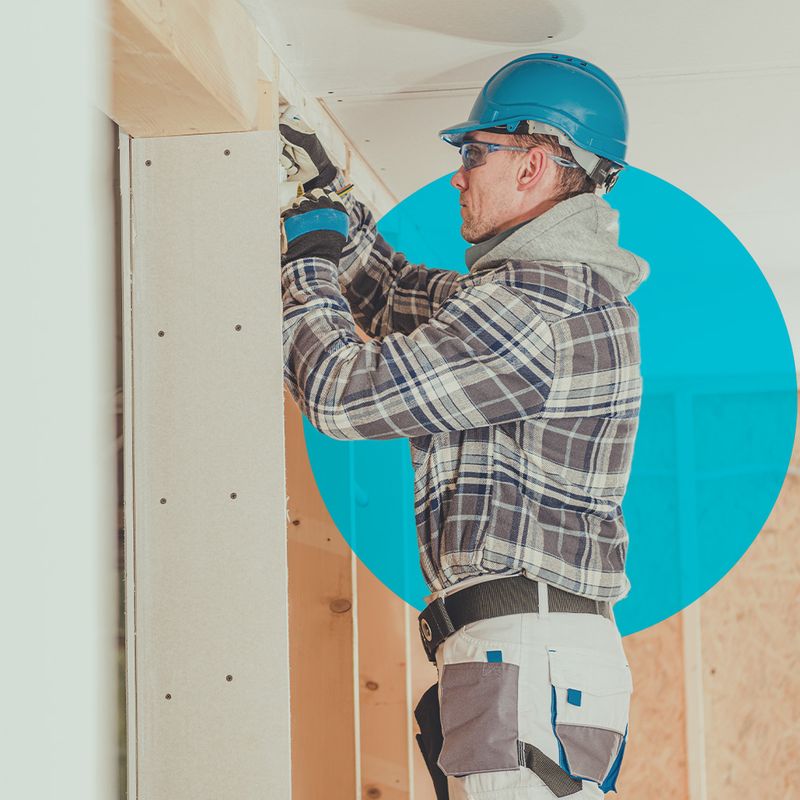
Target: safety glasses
474 153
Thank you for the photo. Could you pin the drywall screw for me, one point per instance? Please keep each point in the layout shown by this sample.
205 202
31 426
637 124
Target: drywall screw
227 152
229 678
161 333
163 500
148 162
233 495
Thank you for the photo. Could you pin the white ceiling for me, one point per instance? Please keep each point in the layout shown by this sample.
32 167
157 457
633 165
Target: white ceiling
712 89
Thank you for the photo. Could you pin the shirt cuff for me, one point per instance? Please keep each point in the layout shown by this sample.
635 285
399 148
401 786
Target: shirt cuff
303 275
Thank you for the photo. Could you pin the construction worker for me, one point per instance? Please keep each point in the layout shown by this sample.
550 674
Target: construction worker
518 386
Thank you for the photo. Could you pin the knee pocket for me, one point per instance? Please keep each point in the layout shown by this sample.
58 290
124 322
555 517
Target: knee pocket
590 704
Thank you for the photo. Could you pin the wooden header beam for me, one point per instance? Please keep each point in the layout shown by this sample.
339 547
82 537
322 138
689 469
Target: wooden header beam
182 67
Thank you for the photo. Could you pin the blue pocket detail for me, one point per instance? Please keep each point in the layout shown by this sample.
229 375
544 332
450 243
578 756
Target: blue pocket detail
610 783
574 697
562 758
494 655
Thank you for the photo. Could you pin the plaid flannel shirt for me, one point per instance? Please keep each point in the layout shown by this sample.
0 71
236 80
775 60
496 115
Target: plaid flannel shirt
518 388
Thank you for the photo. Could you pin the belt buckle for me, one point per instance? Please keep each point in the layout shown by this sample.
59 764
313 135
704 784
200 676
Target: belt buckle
435 626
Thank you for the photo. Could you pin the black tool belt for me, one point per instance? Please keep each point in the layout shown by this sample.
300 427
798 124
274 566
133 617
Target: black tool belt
495 598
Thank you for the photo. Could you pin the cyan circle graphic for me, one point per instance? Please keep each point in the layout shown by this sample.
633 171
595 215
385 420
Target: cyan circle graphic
717 419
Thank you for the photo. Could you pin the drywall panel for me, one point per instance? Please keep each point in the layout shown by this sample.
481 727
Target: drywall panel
421 45
321 634
126 484
211 638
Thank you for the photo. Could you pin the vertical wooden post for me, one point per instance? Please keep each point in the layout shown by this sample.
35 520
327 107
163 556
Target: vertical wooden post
691 616
321 613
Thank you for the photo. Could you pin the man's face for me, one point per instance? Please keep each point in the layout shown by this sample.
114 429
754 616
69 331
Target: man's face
489 196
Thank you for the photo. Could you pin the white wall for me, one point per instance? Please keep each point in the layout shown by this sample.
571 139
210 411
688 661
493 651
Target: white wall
57 447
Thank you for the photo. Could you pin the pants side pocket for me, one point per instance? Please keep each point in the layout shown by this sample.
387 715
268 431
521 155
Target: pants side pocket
479 714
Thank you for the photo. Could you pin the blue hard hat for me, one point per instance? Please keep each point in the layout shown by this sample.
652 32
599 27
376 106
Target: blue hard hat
566 92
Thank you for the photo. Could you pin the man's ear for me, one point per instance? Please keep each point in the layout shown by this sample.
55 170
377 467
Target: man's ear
532 169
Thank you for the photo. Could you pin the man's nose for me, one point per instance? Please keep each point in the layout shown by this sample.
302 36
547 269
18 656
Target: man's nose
459 179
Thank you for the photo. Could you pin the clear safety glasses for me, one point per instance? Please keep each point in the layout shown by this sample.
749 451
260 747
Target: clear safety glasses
475 153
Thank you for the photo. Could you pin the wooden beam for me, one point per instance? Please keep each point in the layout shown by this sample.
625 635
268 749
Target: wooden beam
369 188
384 712
321 630
182 67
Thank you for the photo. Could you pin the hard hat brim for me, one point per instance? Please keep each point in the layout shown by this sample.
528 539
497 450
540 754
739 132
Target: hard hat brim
454 135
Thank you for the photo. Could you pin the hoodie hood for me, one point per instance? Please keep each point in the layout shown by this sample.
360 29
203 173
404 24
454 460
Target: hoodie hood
582 229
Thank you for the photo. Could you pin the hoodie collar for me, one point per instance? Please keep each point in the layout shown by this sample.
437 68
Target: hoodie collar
478 250
581 229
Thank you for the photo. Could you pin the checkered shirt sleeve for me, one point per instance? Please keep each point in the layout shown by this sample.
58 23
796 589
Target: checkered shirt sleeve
387 293
484 357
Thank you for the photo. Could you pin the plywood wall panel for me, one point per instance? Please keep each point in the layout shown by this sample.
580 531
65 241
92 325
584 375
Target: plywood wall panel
654 764
752 662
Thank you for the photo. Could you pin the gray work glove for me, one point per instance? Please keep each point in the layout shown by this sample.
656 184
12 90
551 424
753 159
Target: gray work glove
303 157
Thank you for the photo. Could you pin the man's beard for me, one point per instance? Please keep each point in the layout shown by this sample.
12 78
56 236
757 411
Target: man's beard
474 233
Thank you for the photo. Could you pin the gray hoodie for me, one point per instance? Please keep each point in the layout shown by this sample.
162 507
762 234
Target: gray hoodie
582 229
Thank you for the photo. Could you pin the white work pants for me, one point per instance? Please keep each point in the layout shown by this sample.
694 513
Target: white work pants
558 681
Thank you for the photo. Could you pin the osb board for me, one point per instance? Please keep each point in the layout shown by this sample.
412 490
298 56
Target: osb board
654 764
752 662
384 703
321 651
210 614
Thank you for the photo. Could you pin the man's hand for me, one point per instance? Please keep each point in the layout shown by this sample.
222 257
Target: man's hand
303 157
315 225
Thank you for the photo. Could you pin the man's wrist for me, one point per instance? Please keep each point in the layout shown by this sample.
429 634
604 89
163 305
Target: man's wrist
326 176
325 244
316 225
